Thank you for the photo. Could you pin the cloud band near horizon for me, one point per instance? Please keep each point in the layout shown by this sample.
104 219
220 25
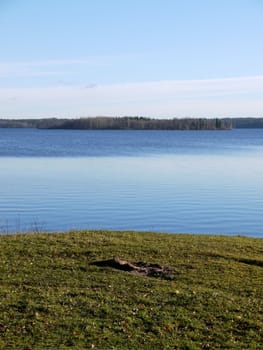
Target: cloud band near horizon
229 97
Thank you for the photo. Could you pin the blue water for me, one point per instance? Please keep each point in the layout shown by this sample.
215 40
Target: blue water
105 143
167 181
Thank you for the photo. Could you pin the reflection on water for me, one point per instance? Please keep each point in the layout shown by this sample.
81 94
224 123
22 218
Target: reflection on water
168 193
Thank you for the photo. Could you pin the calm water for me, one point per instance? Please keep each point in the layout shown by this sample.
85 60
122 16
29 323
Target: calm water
169 181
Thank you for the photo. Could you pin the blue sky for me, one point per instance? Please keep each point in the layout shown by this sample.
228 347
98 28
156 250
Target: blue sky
160 58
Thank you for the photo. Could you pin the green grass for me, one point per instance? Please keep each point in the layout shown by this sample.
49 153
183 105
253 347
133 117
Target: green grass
52 297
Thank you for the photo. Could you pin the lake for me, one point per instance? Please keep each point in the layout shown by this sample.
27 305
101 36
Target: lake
207 182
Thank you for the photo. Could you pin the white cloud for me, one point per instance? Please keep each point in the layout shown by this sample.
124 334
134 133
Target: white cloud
53 67
241 96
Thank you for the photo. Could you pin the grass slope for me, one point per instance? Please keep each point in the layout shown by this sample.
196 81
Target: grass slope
52 297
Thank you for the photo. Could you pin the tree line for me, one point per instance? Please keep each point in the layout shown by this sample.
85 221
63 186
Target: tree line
134 123
120 123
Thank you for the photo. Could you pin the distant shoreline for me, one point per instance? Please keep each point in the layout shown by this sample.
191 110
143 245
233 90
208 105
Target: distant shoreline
134 123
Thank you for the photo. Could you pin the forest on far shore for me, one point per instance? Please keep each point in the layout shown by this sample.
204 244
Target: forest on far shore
134 123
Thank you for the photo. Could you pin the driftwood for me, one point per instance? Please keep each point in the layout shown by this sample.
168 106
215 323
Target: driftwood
138 268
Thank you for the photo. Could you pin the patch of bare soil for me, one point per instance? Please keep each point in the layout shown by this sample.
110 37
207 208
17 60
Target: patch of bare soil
138 268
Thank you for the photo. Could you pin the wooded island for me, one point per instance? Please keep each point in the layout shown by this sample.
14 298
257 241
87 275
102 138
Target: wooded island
134 123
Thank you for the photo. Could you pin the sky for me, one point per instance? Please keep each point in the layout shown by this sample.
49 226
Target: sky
152 58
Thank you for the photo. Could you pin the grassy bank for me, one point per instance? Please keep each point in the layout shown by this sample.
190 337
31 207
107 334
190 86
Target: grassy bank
52 296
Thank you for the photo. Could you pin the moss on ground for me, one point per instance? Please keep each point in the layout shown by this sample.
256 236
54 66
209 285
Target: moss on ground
52 296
